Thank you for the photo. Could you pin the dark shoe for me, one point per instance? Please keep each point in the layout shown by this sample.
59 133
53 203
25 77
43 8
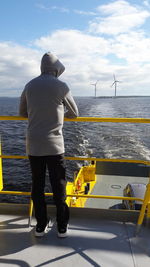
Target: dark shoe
62 231
41 230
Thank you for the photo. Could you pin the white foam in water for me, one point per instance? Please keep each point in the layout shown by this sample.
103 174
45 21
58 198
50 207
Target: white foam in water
142 150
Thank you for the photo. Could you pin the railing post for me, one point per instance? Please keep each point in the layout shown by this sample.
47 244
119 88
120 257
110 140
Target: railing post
1 172
148 214
144 205
148 208
30 212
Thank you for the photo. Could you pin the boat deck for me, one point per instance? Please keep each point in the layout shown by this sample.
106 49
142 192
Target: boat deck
94 240
111 185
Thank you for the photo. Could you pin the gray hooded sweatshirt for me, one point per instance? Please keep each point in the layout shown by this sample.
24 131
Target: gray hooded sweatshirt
42 102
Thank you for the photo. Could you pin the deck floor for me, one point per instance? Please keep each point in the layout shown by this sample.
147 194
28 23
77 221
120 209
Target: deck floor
91 242
111 185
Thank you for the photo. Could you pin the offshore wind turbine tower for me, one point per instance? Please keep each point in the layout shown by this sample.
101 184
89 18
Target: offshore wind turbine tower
115 84
95 86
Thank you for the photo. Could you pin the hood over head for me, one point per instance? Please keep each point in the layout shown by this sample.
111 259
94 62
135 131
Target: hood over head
51 64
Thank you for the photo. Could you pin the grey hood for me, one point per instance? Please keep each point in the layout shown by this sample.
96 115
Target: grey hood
51 64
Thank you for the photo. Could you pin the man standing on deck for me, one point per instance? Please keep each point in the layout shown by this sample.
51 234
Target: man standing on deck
42 102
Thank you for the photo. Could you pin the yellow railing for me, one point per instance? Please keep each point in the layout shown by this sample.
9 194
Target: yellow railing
146 200
84 158
1 172
89 119
19 193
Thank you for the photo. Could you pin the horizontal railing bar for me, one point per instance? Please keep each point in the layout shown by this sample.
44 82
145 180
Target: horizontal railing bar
20 193
13 118
13 157
84 158
15 193
105 197
74 195
109 160
89 119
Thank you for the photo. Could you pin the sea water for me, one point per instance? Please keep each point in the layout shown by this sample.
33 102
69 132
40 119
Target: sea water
103 140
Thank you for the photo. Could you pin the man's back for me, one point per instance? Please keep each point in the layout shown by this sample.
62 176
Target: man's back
43 101
45 95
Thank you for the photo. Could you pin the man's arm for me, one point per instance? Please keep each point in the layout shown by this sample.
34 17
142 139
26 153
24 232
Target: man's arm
23 105
72 110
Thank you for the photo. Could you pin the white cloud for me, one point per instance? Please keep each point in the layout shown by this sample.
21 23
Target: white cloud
51 8
17 65
61 9
146 3
86 13
118 17
72 43
86 56
41 6
133 47
119 7
82 54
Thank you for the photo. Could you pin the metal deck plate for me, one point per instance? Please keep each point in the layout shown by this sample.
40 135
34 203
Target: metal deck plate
91 242
111 185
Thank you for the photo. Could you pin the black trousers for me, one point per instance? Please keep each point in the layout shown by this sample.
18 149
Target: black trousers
56 169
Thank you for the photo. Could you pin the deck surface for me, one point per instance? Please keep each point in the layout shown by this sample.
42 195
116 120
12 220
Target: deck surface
111 185
91 242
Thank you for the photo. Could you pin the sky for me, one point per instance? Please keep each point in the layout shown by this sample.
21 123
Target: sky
94 39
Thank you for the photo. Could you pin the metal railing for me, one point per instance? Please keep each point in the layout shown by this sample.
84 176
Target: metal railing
88 119
145 201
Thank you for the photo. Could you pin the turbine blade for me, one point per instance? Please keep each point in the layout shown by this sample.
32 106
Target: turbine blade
112 84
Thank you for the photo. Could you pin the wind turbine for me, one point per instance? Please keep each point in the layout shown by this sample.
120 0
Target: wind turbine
95 84
115 83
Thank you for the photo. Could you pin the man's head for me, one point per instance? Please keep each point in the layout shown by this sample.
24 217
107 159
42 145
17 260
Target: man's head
50 64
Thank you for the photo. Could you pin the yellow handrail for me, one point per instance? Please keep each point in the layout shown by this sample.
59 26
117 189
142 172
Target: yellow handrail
84 158
19 193
89 119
